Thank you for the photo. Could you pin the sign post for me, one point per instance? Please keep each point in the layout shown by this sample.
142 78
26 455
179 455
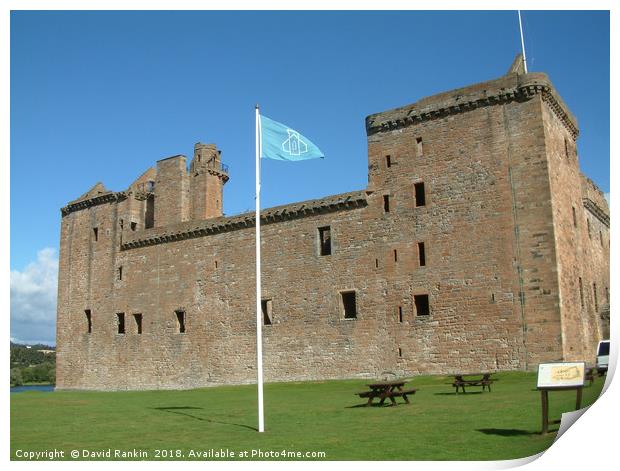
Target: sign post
559 377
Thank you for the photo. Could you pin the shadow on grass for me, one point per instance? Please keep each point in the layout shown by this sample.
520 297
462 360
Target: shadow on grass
376 404
505 432
459 394
178 411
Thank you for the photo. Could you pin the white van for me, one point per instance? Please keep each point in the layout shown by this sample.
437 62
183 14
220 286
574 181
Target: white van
602 356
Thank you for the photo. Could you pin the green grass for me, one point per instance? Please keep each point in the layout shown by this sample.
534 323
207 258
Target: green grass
305 416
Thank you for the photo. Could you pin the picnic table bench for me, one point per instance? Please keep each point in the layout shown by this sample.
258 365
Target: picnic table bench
476 379
386 390
589 375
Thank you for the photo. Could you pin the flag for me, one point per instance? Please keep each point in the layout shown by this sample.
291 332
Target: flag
280 142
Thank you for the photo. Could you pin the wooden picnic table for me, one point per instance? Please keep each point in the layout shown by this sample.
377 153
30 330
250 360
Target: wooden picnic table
472 379
386 390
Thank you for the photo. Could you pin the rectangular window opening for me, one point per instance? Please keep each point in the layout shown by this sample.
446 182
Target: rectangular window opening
133 225
574 217
421 254
325 240
348 304
120 322
376 263
400 352
595 297
421 304
581 291
420 196
120 272
149 212
400 314
267 309
589 231
180 321
89 321
138 319
388 161
216 264
386 203
96 233
395 255
419 146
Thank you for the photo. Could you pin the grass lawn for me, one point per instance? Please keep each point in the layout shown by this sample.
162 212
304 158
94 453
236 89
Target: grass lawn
309 416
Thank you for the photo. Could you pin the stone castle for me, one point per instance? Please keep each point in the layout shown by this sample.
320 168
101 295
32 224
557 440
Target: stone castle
477 245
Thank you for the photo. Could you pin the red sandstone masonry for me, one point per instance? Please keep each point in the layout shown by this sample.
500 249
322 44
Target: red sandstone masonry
501 258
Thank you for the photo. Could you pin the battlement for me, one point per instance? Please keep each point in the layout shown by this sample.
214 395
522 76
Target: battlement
510 87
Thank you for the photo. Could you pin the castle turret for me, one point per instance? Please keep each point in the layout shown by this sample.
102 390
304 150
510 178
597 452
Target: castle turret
207 178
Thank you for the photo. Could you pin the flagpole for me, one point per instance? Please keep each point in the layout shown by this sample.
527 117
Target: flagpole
522 43
259 321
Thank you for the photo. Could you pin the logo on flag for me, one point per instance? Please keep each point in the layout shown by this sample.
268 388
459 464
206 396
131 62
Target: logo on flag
280 142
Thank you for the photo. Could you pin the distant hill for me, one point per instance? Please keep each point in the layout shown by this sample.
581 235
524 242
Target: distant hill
32 364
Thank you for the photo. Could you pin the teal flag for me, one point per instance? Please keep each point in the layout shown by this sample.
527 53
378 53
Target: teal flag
280 142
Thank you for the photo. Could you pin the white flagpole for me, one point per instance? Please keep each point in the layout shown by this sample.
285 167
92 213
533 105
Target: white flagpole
522 43
259 320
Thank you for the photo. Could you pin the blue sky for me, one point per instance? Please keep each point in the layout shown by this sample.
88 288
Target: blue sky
100 96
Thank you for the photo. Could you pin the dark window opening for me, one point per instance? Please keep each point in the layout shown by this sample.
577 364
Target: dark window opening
133 225
138 319
421 254
89 321
121 224
96 233
395 255
492 297
589 231
216 264
150 185
566 148
376 263
388 161
421 304
400 313
349 308
574 217
419 146
400 352
120 322
120 273
180 321
266 306
420 196
325 240
149 214
386 203
595 297
581 291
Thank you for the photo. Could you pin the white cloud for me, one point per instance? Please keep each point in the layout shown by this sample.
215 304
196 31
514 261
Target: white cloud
33 300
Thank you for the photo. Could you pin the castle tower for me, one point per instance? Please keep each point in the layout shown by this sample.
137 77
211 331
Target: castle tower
207 179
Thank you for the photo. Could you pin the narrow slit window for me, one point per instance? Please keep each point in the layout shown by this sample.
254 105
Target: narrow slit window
419 146
180 315
422 307
420 195
581 291
120 272
348 304
421 254
589 229
96 233
386 203
120 322
325 240
138 319
566 148
400 314
267 309
149 212
600 236
400 352
376 263
216 264
89 321
395 255
595 297
388 161
574 217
